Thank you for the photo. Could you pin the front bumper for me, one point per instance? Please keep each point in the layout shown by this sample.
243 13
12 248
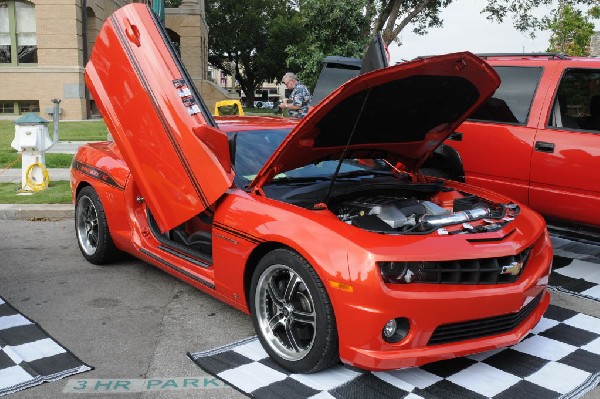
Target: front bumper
362 315
394 357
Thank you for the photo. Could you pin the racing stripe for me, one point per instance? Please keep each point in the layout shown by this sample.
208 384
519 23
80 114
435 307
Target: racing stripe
96 173
237 233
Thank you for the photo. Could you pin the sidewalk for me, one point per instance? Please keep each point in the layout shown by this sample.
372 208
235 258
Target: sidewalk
14 175
40 211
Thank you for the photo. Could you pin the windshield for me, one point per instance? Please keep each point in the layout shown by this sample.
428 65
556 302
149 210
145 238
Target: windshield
254 148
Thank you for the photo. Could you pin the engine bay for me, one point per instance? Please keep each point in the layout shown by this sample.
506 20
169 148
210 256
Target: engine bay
448 212
397 204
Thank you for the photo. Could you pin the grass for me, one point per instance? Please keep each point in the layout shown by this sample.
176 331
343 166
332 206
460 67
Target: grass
259 111
58 192
94 130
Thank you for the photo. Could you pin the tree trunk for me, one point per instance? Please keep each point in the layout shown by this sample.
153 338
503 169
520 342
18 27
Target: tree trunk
248 81
391 12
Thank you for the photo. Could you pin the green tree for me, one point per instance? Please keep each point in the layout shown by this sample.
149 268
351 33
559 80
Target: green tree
172 3
327 27
571 30
391 17
247 39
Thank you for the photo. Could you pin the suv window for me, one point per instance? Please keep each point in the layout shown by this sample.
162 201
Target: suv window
577 101
512 101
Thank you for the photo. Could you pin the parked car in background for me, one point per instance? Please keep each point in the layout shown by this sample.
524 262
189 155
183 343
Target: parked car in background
335 253
537 139
336 71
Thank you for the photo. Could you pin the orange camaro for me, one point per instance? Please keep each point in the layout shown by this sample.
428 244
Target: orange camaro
320 229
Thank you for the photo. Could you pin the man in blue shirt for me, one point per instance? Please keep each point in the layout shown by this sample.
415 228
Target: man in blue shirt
299 99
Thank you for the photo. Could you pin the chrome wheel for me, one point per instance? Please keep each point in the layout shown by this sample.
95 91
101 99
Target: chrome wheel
285 312
91 228
86 218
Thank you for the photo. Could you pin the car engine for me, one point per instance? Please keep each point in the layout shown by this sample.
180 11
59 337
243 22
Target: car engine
389 214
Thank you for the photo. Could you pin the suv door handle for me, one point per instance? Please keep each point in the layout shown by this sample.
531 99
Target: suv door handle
456 136
542 146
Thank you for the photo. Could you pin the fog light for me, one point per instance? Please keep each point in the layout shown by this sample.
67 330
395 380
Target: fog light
395 330
390 328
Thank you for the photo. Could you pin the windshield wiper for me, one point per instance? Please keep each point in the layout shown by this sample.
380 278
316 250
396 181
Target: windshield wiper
303 179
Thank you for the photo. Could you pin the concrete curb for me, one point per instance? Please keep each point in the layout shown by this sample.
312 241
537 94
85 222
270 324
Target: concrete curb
35 211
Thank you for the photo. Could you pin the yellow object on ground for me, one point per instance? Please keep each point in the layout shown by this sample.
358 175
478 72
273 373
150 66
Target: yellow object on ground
35 186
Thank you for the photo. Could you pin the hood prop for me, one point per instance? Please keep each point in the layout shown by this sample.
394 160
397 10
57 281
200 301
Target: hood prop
343 156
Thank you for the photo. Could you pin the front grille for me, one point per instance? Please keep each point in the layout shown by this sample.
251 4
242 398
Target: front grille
483 327
502 270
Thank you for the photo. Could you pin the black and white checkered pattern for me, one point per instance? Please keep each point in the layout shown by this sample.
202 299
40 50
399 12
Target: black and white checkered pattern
576 268
28 355
559 359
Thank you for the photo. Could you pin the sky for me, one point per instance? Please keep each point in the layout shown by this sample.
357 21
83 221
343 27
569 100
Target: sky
466 29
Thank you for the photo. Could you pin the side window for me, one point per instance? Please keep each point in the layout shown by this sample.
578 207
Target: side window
577 101
512 101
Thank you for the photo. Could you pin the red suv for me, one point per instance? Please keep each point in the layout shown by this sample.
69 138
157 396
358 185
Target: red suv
537 139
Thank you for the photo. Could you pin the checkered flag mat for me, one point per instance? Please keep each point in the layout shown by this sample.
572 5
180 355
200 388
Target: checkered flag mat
576 268
28 355
559 359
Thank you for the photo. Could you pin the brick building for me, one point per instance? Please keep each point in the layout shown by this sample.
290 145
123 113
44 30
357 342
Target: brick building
595 45
44 45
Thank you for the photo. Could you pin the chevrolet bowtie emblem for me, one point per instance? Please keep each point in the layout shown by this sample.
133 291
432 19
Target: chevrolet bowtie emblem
514 268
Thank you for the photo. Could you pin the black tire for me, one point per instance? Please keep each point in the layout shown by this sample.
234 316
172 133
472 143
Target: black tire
292 313
91 229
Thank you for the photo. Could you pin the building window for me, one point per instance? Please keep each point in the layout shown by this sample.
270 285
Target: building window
7 107
18 40
29 106
11 107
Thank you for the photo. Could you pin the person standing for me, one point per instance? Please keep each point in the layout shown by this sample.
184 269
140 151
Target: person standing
299 99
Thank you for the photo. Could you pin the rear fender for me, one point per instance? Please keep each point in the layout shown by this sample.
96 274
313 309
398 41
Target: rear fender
99 166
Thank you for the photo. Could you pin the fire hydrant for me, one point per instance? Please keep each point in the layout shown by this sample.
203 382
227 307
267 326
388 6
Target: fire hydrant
32 141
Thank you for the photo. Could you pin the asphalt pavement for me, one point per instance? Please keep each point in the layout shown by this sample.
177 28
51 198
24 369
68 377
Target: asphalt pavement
127 320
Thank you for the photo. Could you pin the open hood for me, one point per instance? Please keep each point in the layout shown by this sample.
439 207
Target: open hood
402 112
168 138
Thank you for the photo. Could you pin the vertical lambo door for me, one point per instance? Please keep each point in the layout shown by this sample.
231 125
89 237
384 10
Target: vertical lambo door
169 140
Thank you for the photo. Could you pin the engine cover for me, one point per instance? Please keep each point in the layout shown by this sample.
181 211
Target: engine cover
393 211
